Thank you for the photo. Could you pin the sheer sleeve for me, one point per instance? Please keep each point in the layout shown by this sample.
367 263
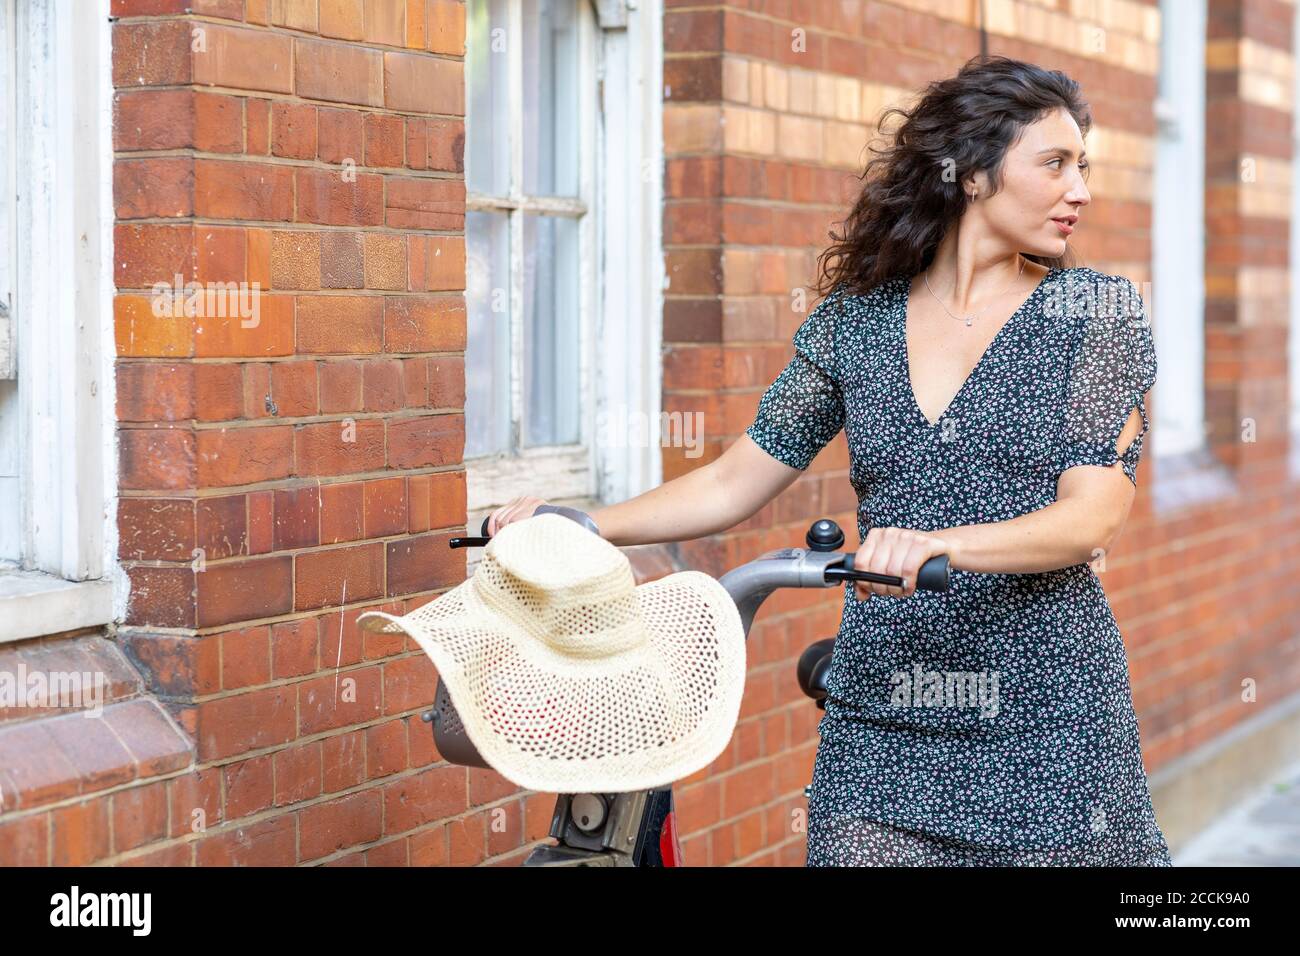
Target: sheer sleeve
1113 367
803 409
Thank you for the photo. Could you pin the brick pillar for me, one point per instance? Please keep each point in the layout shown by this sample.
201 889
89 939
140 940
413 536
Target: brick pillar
279 477
756 170
1248 168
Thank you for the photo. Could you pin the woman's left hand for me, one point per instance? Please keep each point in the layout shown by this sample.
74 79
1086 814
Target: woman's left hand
896 551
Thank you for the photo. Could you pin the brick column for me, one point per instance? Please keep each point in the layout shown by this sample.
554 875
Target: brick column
280 476
1247 209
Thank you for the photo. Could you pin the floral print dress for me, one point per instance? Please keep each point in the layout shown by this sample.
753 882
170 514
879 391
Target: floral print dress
992 723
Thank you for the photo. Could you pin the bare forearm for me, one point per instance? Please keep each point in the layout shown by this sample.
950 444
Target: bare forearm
692 506
1059 535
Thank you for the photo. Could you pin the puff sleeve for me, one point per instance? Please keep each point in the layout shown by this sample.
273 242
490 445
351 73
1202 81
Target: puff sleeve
1110 372
803 409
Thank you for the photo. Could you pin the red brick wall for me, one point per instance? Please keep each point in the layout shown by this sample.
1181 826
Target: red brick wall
1221 577
315 460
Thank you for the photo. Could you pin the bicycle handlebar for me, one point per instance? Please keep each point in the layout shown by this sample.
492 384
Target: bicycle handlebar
573 514
821 564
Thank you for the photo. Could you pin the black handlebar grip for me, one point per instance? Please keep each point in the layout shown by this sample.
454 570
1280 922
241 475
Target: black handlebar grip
933 575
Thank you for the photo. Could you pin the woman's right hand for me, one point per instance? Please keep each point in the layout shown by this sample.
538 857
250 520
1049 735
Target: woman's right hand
513 510
896 551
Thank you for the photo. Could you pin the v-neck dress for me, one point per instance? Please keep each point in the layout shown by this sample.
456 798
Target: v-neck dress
992 723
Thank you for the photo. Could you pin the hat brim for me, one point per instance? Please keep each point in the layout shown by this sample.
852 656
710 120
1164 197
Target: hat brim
549 722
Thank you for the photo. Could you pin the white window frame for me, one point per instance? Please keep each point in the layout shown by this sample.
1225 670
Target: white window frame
10 467
1178 218
8 158
621 270
630 338
66 575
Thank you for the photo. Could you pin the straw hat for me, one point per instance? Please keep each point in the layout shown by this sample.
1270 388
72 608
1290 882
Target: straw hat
569 677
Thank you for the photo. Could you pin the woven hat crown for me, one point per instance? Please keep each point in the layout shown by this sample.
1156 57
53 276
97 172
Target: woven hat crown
563 585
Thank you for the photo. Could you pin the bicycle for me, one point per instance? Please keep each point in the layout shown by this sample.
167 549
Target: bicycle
639 828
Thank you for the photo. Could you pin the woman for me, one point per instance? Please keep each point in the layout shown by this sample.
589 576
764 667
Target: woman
993 400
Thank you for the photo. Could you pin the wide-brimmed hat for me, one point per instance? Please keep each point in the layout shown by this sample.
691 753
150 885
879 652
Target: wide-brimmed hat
571 678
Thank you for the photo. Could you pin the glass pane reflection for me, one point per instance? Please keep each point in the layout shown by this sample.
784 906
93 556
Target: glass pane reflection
551 343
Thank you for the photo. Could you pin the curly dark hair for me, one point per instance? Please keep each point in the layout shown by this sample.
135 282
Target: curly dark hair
967 123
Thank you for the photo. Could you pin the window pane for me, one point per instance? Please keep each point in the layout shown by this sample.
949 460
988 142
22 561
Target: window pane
550 68
487 118
551 343
487 351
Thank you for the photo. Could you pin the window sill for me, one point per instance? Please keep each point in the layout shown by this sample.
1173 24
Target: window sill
33 604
